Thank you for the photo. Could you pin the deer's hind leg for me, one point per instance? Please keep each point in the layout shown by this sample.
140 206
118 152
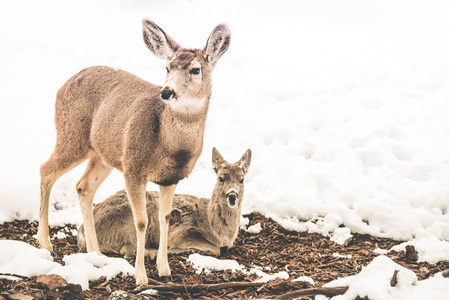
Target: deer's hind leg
94 175
59 163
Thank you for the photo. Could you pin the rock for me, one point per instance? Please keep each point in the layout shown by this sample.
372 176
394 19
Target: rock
50 282
122 295
69 291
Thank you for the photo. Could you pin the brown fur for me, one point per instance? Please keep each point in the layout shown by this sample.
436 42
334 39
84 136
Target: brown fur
116 120
196 223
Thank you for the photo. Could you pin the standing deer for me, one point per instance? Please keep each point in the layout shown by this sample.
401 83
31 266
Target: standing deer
199 224
114 119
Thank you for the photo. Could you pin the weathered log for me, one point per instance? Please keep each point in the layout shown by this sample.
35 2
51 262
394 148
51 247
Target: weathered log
326 291
195 288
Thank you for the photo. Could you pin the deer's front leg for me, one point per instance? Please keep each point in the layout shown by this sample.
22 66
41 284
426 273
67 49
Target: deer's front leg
165 208
136 190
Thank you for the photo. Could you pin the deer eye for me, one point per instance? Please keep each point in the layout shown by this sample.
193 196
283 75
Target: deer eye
241 181
195 71
221 179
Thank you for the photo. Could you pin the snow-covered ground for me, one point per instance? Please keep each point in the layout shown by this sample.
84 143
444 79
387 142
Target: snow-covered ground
20 258
343 103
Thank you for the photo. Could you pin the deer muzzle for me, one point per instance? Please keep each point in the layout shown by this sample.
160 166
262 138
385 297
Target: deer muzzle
167 94
232 198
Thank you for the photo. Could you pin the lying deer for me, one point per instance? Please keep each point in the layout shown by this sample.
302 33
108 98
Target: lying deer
154 133
196 223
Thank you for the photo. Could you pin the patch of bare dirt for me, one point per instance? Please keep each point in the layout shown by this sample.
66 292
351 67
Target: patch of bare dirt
299 254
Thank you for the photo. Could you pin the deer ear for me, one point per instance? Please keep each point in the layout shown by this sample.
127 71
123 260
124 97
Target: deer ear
159 43
245 161
217 44
217 159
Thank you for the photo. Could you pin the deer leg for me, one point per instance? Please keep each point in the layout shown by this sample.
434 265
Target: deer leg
165 207
95 173
50 171
136 190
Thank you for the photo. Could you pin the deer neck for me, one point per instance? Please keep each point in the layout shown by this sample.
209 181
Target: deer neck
188 110
184 121
224 220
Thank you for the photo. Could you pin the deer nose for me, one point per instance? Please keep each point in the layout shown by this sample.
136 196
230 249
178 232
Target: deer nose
167 93
232 198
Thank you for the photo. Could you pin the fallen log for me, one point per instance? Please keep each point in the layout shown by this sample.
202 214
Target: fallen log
326 291
195 288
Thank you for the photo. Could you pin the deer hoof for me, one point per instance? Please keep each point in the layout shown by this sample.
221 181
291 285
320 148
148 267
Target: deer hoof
141 277
45 243
141 280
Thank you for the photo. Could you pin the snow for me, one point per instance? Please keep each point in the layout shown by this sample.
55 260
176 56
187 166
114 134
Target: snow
343 103
430 249
264 277
206 264
374 280
305 279
341 256
256 228
23 259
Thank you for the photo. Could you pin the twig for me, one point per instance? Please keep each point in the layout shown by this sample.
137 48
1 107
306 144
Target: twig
195 288
445 273
15 275
236 293
394 279
326 291
155 282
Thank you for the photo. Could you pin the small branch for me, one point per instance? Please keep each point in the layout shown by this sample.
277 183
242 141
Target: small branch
394 279
445 273
326 291
195 288
14 275
155 282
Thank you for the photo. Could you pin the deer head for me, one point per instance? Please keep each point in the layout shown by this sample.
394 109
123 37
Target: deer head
230 181
188 71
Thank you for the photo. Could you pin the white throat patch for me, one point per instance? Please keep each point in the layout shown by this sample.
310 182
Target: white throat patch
187 105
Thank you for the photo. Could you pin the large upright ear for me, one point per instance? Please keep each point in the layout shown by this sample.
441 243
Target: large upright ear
159 43
217 159
217 44
245 161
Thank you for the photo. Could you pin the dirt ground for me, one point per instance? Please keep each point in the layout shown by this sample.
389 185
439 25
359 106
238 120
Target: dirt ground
299 254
